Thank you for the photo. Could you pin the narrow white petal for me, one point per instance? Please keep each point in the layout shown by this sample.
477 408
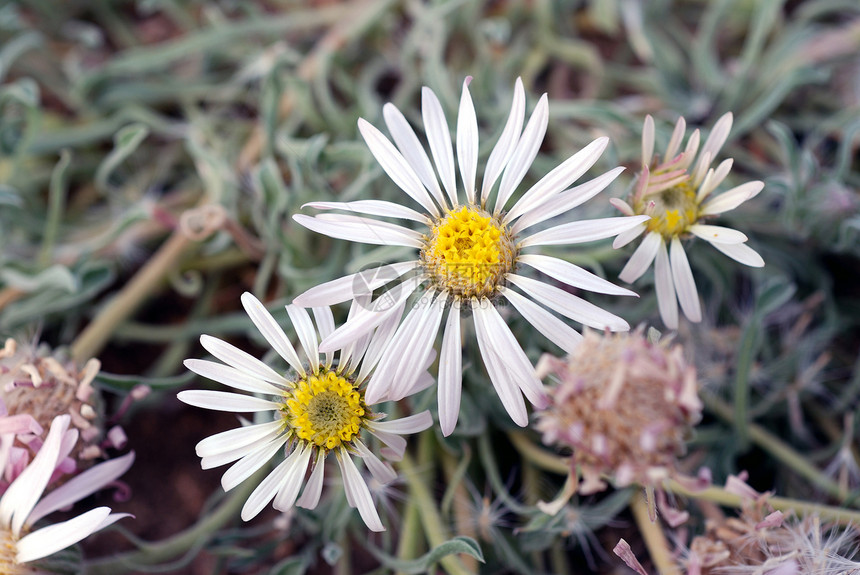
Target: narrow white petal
648 140
411 148
569 305
566 201
436 127
360 283
559 178
307 334
81 486
382 382
572 274
524 154
507 142
583 231
272 484
684 283
380 342
230 376
550 326
622 206
718 234
313 488
503 381
270 329
361 230
718 136
48 540
467 141
741 253
395 445
293 478
675 141
235 357
731 199
396 166
224 401
641 258
710 183
380 471
625 238
248 465
21 496
666 300
325 326
372 208
701 169
404 425
690 151
240 437
419 350
358 491
450 373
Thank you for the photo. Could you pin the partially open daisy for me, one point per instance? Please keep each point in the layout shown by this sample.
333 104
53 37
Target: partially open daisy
318 409
22 505
470 251
677 196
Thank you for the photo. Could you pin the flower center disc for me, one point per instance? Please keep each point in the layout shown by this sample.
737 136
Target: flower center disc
326 410
469 253
673 212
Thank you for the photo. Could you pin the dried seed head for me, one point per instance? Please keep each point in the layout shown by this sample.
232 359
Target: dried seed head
624 405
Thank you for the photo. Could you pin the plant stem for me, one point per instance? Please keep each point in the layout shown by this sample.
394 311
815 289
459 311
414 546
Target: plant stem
653 535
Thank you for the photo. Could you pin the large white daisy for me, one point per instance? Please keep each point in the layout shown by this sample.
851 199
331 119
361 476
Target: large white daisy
677 197
316 410
22 505
472 251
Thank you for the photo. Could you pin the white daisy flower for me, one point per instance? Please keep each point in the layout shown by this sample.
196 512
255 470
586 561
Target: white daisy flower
471 251
677 196
21 506
318 409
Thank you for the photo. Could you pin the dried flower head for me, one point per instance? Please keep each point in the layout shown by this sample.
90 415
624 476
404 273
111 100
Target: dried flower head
624 405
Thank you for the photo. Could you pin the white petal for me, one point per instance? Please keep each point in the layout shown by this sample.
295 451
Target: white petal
270 329
380 342
741 253
396 166
507 142
625 238
566 201
731 199
717 137
450 373
558 179
467 141
380 471
224 401
313 488
81 486
23 493
503 381
48 540
684 283
419 350
583 231
665 288
325 327
269 487
383 379
572 274
718 234
648 140
235 357
411 148
524 154
710 183
675 141
436 127
404 425
230 376
641 258
248 465
357 491
569 305
238 438
307 334
361 230
347 287
292 481
373 208
689 151
550 326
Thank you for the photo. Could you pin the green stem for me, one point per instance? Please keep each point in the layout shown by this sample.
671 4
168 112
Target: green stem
653 535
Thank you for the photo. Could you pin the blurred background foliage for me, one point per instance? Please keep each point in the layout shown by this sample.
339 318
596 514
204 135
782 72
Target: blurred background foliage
153 151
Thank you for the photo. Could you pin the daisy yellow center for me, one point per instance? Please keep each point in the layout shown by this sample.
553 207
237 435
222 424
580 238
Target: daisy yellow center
673 210
468 253
325 409
8 551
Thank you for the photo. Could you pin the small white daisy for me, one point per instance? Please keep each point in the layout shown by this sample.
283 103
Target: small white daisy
319 408
471 251
677 197
21 506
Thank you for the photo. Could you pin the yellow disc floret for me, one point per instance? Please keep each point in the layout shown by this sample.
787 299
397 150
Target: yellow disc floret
8 551
672 211
468 253
325 409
